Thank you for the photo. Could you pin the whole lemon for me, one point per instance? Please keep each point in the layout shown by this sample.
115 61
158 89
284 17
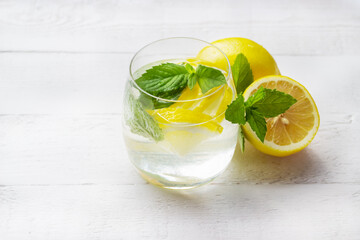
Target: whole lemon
261 61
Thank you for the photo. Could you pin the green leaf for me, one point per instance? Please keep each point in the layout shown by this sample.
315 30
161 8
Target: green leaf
146 101
242 73
209 78
163 78
168 80
241 138
192 79
257 123
270 102
256 97
169 96
235 112
140 122
189 68
153 103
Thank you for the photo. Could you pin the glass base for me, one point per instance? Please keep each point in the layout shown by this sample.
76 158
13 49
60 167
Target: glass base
163 182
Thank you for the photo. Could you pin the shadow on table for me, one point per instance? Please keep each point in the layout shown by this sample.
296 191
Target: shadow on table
255 167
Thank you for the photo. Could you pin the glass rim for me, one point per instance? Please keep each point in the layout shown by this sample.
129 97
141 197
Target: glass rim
228 77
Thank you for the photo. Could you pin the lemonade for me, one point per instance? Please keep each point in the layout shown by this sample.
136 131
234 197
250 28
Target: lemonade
178 140
187 157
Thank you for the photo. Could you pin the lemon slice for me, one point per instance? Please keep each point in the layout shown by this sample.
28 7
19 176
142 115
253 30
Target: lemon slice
185 129
184 140
291 131
214 105
180 116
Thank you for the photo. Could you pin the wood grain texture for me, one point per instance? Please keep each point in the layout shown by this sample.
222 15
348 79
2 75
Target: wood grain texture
213 212
57 83
89 149
64 172
62 83
310 27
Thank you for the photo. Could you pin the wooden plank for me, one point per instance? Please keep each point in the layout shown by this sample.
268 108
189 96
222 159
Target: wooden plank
284 27
93 83
62 83
63 150
214 212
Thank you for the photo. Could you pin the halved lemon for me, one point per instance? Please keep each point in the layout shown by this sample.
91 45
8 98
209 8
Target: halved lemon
261 61
291 131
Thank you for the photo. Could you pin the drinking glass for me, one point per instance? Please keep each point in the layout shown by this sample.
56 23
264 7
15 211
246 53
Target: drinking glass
178 143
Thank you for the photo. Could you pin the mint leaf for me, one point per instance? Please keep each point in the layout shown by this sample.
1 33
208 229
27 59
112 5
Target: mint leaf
256 97
192 79
241 139
154 103
168 80
270 102
242 73
169 95
257 123
146 101
161 104
235 112
209 78
189 68
140 122
163 78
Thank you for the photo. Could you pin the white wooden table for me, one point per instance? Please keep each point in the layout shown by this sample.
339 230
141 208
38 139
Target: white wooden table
64 172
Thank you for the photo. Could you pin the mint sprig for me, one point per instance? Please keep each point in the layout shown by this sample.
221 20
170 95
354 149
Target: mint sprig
264 103
168 80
